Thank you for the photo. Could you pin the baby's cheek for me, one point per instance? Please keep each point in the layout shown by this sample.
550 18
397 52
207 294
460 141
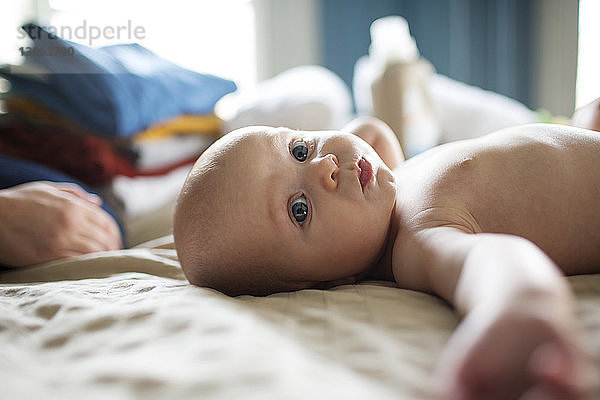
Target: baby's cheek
360 250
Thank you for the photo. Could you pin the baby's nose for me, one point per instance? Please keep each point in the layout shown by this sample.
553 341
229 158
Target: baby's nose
327 169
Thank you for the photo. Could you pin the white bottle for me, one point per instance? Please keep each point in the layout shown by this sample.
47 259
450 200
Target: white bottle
398 81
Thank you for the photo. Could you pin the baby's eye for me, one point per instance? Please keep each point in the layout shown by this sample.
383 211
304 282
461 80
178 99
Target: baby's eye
300 209
300 151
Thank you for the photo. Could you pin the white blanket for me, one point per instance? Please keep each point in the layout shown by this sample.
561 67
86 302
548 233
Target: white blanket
89 328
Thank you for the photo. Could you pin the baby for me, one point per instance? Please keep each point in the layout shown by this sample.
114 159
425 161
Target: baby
488 224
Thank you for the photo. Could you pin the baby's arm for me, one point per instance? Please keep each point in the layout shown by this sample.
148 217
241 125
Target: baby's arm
518 335
380 137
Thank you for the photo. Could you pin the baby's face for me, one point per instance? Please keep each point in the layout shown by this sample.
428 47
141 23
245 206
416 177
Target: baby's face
320 203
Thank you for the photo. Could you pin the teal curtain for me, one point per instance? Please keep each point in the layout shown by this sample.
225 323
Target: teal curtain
481 42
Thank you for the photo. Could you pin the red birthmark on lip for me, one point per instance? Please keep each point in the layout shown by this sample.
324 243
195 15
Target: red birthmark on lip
365 172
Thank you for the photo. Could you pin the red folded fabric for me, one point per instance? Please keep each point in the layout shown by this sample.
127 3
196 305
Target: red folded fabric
90 159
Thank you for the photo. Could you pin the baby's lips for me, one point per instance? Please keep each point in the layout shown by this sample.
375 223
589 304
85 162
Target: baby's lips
365 172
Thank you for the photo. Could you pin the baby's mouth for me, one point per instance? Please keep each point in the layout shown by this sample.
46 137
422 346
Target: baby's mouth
365 172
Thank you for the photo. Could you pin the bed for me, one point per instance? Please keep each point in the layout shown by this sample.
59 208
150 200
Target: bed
126 325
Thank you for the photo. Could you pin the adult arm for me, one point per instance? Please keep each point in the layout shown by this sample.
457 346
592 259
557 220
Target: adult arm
518 336
380 136
43 221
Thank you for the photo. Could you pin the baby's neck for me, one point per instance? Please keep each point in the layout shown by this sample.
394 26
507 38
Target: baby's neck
382 268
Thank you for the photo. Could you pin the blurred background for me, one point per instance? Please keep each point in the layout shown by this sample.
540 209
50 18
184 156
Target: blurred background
542 53
127 125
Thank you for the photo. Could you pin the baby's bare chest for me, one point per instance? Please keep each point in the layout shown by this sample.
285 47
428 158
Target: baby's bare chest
545 191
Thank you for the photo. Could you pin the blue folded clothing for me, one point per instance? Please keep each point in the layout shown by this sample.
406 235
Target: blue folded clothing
116 90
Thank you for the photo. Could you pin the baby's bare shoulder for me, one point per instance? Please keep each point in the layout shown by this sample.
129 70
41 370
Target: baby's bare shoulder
541 182
563 137
503 162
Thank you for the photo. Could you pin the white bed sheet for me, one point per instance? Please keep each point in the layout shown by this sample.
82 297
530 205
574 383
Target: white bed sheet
90 328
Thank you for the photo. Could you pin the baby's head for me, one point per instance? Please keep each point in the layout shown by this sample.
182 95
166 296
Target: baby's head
271 209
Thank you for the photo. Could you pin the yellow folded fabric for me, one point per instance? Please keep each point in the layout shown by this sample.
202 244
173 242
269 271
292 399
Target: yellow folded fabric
37 112
186 124
32 108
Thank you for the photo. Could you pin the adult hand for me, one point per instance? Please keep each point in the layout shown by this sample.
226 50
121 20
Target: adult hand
43 221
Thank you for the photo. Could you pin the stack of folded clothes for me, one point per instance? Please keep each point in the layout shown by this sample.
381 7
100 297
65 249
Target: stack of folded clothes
97 113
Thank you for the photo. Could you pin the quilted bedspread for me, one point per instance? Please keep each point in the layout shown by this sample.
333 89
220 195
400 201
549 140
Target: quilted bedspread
126 325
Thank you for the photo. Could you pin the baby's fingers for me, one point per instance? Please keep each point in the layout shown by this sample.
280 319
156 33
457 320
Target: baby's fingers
551 363
561 370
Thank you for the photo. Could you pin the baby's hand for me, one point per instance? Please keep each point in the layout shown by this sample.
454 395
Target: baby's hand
520 352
